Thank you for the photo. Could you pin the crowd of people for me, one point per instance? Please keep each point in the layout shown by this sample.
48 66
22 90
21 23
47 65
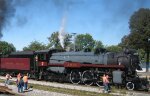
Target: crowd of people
21 82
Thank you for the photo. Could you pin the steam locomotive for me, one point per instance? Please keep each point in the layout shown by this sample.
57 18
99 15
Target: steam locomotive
76 67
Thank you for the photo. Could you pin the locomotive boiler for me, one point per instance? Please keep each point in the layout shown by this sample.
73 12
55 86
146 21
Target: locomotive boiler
129 60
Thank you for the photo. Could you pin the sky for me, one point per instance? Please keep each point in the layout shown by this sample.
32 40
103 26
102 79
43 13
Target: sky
106 20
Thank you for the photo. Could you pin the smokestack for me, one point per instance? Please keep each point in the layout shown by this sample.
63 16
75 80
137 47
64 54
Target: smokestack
6 11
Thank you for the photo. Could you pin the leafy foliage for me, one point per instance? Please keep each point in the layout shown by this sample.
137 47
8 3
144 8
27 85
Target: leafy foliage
35 45
140 30
67 40
114 48
141 53
54 41
6 48
83 41
98 44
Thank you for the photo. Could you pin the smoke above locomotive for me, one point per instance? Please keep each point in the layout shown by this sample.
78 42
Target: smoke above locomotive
7 10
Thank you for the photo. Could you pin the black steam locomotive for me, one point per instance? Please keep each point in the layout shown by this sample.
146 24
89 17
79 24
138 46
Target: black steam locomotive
79 67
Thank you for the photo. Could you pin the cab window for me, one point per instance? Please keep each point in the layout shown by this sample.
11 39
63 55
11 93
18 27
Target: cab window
42 56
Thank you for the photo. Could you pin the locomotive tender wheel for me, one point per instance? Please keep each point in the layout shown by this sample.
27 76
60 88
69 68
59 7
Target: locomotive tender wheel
87 77
130 86
75 77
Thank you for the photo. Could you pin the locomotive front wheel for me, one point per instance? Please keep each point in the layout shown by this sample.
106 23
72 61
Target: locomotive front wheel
75 77
130 86
87 77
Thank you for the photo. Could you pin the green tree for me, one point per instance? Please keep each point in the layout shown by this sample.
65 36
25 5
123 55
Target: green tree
114 48
124 41
83 41
139 25
6 48
54 41
67 40
142 54
35 45
98 44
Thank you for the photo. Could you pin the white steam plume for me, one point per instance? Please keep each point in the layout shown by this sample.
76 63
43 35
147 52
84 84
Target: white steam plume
62 32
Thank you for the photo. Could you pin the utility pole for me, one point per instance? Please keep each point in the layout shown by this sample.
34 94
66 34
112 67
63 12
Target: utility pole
147 56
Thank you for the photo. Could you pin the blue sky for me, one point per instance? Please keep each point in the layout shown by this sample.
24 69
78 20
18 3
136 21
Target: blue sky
105 20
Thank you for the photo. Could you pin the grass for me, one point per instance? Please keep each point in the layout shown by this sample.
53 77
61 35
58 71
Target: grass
67 91
116 90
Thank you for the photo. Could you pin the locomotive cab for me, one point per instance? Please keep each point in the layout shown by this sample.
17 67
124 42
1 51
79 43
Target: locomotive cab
41 61
42 57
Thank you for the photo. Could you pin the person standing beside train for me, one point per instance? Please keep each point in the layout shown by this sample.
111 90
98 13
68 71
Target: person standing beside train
7 79
105 83
25 80
19 76
108 82
20 84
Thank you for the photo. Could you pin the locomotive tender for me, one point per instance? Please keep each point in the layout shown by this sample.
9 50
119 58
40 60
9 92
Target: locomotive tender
76 67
